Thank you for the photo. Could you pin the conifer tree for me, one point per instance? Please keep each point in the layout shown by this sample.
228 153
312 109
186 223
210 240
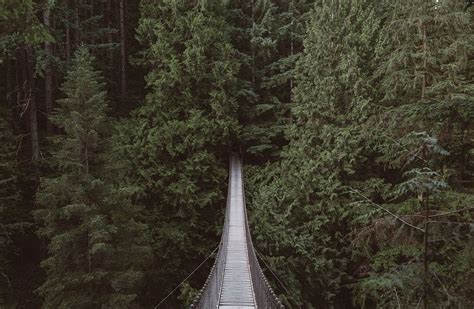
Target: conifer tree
331 101
97 250
422 54
179 138
360 140
370 130
425 51
268 35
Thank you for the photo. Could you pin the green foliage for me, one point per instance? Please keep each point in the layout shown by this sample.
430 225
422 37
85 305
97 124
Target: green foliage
177 141
268 35
97 246
18 244
301 242
371 147
357 116
9 207
19 25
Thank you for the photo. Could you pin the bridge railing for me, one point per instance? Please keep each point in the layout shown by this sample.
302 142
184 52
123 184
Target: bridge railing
208 296
264 295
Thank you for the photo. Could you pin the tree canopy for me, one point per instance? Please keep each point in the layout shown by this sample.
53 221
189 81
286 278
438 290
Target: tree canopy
354 119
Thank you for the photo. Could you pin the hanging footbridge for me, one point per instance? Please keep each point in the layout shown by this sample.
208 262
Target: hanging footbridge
236 280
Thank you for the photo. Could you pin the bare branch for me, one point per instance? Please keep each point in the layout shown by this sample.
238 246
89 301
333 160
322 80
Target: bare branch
452 212
8 279
451 222
388 211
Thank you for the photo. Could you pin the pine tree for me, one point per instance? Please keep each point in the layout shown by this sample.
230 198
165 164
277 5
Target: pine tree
19 25
368 141
97 250
426 55
360 141
179 138
268 35
426 98
331 102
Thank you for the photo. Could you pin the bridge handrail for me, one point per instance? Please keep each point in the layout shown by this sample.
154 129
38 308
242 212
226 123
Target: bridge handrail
208 296
264 294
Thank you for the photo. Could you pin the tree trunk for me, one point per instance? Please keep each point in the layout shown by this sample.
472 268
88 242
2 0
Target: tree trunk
68 34
31 102
20 77
123 55
425 66
48 72
110 38
91 15
76 22
425 254
292 44
8 83
252 47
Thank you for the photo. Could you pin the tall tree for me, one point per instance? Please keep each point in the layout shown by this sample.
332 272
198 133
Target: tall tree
21 31
179 152
330 103
268 35
423 54
68 31
30 101
366 164
110 38
48 70
97 250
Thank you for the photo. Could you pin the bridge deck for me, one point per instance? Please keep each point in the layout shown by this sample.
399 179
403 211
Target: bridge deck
237 289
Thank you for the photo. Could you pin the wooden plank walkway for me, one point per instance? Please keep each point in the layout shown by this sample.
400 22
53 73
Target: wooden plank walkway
237 288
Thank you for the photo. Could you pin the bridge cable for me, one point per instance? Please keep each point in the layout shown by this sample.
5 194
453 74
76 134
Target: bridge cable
278 279
185 279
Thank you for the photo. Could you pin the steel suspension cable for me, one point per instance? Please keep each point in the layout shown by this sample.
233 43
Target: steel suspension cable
278 279
185 279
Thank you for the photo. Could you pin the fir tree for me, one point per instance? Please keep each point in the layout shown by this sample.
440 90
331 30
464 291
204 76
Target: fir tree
422 55
178 140
268 35
331 102
426 55
370 130
96 247
360 191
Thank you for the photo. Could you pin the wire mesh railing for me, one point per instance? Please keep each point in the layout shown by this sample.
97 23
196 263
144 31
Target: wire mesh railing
208 296
264 294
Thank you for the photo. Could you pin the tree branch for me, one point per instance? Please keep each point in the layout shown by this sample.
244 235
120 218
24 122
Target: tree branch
388 211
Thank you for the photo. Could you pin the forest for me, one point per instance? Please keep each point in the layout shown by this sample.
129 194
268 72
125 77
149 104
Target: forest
355 120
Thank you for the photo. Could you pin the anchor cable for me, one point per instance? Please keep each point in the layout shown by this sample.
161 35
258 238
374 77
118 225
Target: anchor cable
185 279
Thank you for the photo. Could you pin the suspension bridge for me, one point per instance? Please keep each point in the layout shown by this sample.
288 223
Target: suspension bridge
236 280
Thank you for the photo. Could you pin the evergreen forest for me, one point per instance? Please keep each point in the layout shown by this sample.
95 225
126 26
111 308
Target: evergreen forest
354 118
